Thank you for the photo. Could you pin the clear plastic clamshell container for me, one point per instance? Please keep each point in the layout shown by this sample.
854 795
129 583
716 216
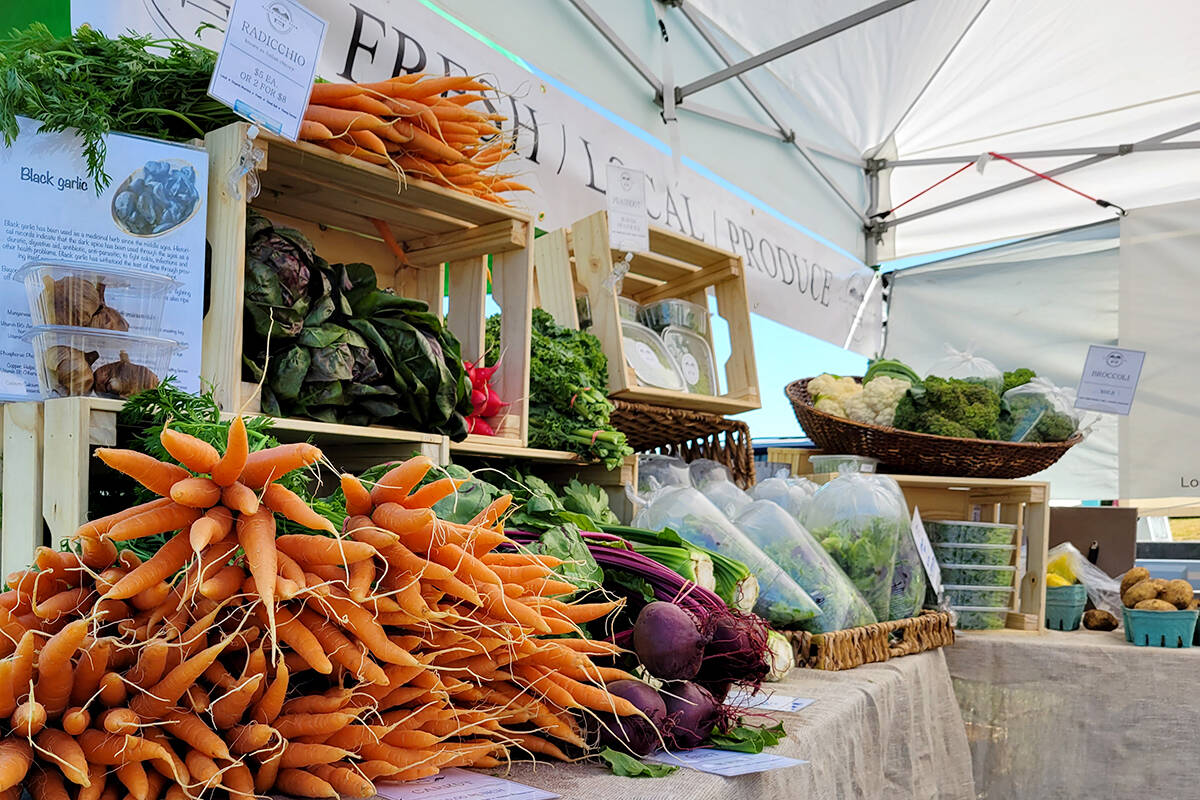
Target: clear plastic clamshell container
89 296
976 575
628 309
679 313
649 358
833 463
75 362
963 532
979 596
989 555
974 618
694 357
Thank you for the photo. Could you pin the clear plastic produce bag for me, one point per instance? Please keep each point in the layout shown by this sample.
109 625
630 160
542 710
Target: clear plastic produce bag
1039 411
793 495
715 484
908 579
858 518
1103 591
656 471
689 513
967 366
799 555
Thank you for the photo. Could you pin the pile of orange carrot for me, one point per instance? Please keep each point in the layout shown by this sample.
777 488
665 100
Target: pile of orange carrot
238 661
414 124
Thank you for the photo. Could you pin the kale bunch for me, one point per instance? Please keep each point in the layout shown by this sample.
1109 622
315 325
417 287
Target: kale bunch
950 407
568 405
1049 424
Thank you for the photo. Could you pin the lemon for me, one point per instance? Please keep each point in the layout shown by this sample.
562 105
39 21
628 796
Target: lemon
1054 579
1062 567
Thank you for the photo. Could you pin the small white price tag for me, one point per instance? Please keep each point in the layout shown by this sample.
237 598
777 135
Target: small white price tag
1109 380
459 784
728 763
628 222
266 65
766 701
921 539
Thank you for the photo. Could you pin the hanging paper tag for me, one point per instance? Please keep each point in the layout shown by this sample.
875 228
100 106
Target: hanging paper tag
1110 378
265 69
921 539
628 222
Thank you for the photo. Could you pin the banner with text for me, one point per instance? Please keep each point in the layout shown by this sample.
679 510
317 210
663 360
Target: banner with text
565 148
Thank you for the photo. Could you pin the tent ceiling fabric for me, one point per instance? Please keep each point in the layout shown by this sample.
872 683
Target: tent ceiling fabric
1024 76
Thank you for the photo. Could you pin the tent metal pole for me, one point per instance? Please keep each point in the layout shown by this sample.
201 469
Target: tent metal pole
1087 162
870 248
832 29
784 132
1117 150
703 110
619 44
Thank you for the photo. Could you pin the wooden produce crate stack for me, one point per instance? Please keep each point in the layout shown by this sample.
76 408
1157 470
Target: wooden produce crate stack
334 200
675 266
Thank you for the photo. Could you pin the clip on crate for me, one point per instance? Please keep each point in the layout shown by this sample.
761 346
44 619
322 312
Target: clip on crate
334 200
675 266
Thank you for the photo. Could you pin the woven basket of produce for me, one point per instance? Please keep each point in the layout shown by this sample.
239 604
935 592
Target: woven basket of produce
922 453
687 434
870 644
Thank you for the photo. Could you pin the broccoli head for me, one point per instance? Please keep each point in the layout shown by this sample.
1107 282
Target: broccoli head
1050 425
950 407
1018 377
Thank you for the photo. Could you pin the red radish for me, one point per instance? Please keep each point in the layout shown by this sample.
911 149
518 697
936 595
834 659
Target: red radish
492 406
480 426
478 398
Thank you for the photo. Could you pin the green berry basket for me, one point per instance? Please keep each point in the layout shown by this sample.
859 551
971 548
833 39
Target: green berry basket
1064 606
1146 628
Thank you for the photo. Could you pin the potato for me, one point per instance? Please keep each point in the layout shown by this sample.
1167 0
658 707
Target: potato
1178 593
1195 604
1099 620
1142 590
1133 577
1154 605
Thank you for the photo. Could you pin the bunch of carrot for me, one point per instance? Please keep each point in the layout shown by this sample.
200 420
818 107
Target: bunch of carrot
413 124
239 661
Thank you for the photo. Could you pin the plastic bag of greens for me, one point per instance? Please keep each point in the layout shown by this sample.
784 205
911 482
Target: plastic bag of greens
656 471
965 365
1038 411
690 514
908 575
793 495
858 518
715 484
799 555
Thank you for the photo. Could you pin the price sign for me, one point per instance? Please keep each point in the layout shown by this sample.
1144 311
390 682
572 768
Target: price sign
628 222
767 701
266 65
1110 378
459 784
925 550
728 763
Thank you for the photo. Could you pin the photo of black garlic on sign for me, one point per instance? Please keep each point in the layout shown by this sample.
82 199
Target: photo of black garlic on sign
157 198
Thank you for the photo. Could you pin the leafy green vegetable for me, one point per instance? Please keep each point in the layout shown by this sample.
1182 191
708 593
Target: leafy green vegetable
96 85
340 348
950 407
589 500
1018 377
568 375
748 739
626 766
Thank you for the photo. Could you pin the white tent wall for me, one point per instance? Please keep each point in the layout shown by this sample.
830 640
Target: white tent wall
1039 304
555 37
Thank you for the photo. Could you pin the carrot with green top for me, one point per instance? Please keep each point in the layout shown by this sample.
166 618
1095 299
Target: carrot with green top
155 475
195 454
237 449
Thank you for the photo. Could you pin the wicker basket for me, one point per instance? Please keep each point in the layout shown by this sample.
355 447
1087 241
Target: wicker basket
871 644
922 453
689 435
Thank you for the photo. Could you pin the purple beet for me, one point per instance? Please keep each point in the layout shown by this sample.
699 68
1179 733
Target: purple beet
692 713
669 641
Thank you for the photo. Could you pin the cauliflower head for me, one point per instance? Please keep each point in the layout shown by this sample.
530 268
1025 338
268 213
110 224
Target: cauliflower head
831 393
876 404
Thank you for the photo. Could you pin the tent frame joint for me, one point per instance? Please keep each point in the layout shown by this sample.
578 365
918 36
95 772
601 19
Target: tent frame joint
874 166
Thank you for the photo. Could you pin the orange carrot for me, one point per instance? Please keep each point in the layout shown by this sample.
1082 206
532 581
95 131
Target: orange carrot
298 754
325 92
194 732
155 475
195 454
397 482
171 517
226 471
284 501
167 692
301 640
308 549
16 756
340 120
311 131
28 719
265 466
214 526
429 495
53 688
358 499
169 559
75 721
300 783
99 527
196 492
240 498
492 513
269 706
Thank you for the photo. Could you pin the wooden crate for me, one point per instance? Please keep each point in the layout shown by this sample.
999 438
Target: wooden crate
676 266
1024 504
333 199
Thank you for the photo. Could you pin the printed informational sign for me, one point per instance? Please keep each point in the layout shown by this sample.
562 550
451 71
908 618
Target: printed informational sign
728 763
1110 379
628 223
150 217
266 66
921 539
766 701
458 784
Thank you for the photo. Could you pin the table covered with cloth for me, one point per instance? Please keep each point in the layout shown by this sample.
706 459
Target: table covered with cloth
1082 714
888 731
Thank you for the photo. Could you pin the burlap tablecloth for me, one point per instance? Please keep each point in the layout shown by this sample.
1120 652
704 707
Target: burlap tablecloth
1077 715
887 731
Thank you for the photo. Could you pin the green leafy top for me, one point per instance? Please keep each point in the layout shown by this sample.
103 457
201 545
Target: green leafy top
97 85
589 500
748 739
626 766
